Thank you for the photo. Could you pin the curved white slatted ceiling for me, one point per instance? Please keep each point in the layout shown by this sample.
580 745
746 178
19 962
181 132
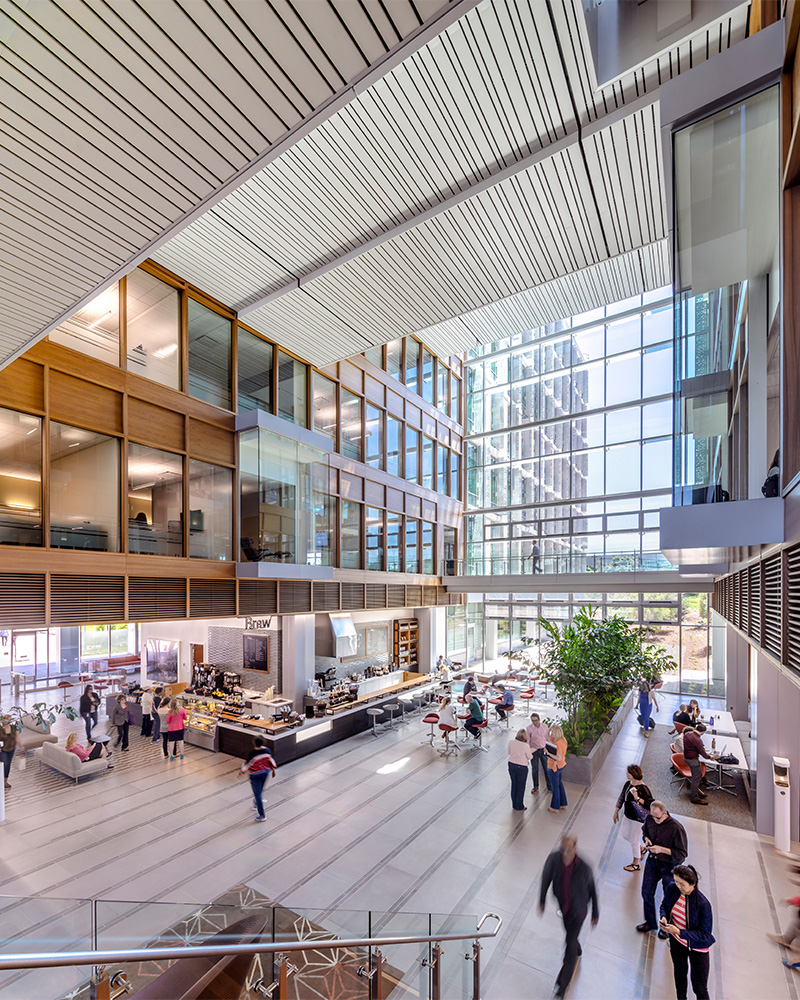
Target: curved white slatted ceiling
120 119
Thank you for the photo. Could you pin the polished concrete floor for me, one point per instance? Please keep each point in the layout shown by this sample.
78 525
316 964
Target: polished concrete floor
382 824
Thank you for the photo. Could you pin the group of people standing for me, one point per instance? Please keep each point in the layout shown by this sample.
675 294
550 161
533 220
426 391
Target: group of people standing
157 709
538 746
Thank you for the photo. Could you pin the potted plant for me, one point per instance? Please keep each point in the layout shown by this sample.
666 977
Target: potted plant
592 664
43 714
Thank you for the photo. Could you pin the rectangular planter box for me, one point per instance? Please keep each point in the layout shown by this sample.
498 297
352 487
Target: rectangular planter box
583 770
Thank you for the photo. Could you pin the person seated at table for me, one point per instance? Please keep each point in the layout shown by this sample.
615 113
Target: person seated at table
469 687
506 705
447 714
682 717
693 750
97 752
475 716
694 710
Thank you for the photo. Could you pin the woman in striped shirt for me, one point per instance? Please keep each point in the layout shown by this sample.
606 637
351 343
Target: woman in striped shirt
686 916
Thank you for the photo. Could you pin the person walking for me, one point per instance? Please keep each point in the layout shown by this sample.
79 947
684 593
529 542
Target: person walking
158 698
693 750
147 712
634 800
259 764
647 703
119 718
8 744
519 756
476 716
665 840
176 729
87 709
537 738
555 765
687 918
573 886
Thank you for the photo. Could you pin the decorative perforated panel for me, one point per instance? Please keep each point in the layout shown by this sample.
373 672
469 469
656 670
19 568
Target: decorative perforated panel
81 600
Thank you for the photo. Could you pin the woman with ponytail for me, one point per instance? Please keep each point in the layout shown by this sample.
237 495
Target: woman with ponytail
686 916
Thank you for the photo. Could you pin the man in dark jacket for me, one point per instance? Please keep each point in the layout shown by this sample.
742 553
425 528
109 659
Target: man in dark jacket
667 847
573 887
693 750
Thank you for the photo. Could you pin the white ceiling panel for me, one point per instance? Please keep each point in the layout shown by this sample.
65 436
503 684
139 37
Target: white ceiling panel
121 119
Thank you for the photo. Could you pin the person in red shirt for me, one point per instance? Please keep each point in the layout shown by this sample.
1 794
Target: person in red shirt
259 765
693 750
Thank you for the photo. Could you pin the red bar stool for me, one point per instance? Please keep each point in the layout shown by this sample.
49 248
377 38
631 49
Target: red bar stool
477 744
464 730
450 746
431 719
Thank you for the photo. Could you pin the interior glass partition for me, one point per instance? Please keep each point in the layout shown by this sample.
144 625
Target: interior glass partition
21 478
726 266
84 489
278 507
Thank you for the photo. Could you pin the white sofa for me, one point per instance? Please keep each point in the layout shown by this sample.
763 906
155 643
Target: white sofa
33 735
69 763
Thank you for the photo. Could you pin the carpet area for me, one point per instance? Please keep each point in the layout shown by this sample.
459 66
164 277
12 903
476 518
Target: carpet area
731 810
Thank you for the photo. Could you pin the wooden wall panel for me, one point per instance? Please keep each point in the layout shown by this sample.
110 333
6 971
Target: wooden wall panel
211 443
153 425
22 382
85 404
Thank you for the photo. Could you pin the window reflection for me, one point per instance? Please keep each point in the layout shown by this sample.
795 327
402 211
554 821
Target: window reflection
412 545
153 329
210 511
255 372
351 534
350 429
394 431
84 489
412 364
20 478
209 336
394 537
427 462
324 406
412 455
292 389
374 538
94 330
427 547
374 437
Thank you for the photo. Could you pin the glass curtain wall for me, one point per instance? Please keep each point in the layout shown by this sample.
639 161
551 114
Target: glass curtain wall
210 511
570 442
680 622
84 489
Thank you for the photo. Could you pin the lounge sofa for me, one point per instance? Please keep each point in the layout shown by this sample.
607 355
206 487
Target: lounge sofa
69 763
33 735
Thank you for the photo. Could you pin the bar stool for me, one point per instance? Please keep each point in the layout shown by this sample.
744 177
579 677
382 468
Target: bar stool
391 709
374 712
477 744
431 719
450 746
418 701
464 730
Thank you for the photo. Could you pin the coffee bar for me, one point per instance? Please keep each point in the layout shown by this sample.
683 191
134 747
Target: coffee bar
300 682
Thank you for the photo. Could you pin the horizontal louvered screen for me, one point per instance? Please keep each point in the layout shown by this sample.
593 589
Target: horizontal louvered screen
353 597
326 596
376 596
294 597
444 597
212 598
258 597
429 596
22 600
395 595
792 609
772 606
81 600
414 596
154 598
736 607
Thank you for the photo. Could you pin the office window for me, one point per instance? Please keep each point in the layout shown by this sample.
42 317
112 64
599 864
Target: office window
255 372
412 545
412 455
427 376
442 473
350 429
394 431
155 501
84 489
374 437
442 387
427 462
154 316
21 480
374 537
351 534
455 398
427 547
210 511
95 329
209 355
455 475
324 406
394 538
292 389
375 355
412 364
324 550
394 359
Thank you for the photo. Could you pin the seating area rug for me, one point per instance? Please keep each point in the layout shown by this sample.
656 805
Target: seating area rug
731 810
320 975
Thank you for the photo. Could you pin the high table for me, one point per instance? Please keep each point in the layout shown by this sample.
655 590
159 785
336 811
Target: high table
723 722
725 745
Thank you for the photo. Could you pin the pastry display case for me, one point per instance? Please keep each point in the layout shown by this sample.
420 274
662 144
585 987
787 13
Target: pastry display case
201 729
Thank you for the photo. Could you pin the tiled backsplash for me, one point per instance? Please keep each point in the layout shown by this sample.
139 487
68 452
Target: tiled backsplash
226 652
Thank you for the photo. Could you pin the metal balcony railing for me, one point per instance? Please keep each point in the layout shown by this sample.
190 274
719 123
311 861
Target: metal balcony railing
562 562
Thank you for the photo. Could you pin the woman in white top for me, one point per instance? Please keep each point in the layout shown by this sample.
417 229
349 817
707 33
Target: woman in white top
519 757
447 715
147 712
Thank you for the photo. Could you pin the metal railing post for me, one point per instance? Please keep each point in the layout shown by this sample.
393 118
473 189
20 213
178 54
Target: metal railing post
475 958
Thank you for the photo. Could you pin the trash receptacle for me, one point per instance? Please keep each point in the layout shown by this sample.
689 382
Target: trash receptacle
15 679
781 802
